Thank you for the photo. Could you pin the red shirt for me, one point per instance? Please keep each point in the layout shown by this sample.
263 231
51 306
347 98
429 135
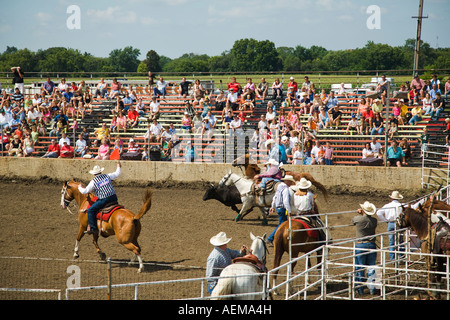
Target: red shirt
133 115
54 148
368 115
293 85
235 86
66 151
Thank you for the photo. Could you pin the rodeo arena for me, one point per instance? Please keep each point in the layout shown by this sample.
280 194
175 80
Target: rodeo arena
234 189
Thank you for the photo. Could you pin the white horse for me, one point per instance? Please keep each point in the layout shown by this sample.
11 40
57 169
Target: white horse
249 201
241 278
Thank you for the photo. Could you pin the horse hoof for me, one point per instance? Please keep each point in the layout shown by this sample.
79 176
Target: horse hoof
102 256
76 255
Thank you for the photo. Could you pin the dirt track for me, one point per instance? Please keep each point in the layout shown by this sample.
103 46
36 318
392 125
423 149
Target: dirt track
176 230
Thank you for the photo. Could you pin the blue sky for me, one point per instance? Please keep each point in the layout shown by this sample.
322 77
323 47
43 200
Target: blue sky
175 27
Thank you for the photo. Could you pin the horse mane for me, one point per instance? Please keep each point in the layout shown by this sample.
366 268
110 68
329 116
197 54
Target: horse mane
418 220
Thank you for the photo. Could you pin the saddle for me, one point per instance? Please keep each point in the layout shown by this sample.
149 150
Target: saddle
440 237
270 188
253 261
307 224
105 213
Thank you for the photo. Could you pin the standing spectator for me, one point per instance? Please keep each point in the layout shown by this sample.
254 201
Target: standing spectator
424 139
47 87
390 213
328 154
220 257
18 76
366 226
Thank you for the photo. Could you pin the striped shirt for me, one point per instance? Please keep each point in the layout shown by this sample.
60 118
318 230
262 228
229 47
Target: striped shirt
282 198
101 185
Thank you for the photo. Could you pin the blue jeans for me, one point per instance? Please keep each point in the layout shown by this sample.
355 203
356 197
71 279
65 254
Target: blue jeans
415 119
362 260
282 217
157 92
435 113
95 208
375 131
392 244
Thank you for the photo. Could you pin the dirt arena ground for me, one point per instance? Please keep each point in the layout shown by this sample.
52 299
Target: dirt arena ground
174 239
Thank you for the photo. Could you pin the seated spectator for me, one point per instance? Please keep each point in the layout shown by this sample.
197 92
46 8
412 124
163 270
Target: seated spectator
66 151
121 122
103 150
395 155
220 101
377 106
198 122
397 113
367 151
115 89
154 109
354 125
227 121
417 85
183 88
161 88
53 150
447 88
80 146
28 145
186 122
427 104
236 126
133 151
102 133
235 86
249 90
140 108
15 147
166 151
118 145
447 131
154 132
330 101
378 125
262 89
127 102
277 89
367 119
323 118
335 115
392 126
63 85
437 107
297 154
47 87
101 89
434 91
376 147
416 113
232 99
133 117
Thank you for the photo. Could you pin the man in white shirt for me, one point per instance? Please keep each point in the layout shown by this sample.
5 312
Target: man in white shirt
232 99
315 153
390 212
154 131
64 138
376 147
161 88
154 109
235 126
80 146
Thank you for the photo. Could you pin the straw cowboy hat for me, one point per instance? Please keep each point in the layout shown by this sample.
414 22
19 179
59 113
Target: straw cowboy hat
219 239
396 195
272 162
288 178
270 141
368 208
96 170
303 184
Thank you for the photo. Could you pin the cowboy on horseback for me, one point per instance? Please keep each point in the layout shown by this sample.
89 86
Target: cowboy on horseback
273 173
102 186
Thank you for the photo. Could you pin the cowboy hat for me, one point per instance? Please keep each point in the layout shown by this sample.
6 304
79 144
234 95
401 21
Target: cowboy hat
96 170
303 184
288 178
368 208
219 239
270 141
272 162
396 195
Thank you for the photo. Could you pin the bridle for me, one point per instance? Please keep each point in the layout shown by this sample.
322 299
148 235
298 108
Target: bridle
64 202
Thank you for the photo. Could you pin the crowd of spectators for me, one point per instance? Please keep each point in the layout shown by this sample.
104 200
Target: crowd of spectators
58 109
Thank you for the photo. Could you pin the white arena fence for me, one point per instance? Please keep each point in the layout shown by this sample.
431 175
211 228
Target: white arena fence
333 278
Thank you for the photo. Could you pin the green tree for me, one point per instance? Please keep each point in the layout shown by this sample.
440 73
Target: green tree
124 60
152 61
253 55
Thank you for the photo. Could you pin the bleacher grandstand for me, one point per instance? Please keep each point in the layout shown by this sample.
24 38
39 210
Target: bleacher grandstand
347 148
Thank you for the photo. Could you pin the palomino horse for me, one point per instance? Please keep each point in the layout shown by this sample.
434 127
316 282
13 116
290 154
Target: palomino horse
304 239
123 223
243 275
419 223
252 169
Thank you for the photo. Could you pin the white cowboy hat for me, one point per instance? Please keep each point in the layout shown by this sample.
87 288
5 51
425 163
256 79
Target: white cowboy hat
272 162
288 178
96 170
219 239
396 195
270 141
368 208
303 184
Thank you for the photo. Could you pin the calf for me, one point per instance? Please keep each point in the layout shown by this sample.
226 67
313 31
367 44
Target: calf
228 195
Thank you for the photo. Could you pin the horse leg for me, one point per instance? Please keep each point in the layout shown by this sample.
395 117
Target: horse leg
99 251
80 235
264 214
134 247
244 210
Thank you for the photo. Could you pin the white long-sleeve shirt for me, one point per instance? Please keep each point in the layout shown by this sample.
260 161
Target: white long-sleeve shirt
282 198
390 212
92 185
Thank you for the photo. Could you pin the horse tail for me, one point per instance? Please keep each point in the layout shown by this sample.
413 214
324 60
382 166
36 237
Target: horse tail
316 184
223 287
146 205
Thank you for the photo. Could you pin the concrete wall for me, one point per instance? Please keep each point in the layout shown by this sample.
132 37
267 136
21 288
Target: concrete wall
143 172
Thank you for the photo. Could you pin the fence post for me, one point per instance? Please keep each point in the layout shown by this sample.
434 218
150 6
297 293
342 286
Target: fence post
109 279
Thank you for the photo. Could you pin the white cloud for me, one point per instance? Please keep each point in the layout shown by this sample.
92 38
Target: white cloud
113 14
43 18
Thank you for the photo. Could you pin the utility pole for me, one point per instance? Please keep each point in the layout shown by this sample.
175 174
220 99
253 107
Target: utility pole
419 31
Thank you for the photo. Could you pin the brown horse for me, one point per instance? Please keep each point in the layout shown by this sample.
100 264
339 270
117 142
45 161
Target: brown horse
303 240
418 222
252 169
123 223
